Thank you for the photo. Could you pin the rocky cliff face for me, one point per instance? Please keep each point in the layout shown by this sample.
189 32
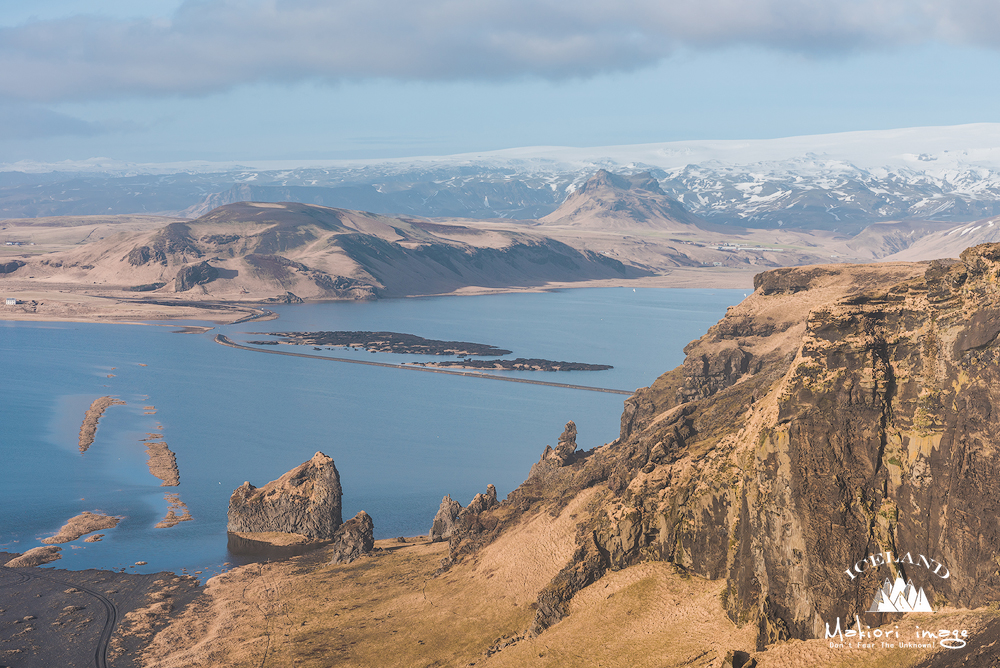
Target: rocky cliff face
839 412
306 500
454 520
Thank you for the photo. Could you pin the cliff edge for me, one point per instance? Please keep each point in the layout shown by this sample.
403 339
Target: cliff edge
834 430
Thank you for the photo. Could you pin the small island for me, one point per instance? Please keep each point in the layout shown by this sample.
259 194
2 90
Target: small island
519 364
383 342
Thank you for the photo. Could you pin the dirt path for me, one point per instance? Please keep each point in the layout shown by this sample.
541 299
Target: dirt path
110 619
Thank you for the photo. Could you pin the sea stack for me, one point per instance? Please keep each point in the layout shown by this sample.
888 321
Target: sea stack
306 501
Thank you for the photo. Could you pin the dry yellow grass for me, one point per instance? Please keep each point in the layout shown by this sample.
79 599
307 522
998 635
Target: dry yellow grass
645 615
394 609
390 609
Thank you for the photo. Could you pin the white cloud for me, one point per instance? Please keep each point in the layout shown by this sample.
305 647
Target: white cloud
213 45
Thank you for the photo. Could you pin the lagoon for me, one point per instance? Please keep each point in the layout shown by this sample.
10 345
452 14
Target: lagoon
400 439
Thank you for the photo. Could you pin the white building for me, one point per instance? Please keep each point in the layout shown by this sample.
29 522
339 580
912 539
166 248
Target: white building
11 301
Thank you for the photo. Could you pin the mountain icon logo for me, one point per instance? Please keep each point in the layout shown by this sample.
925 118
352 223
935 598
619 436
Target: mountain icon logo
900 596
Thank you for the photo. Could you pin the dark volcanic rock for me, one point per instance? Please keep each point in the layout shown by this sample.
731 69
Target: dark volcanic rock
306 500
11 266
354 538
141 255
195 274
287 298
145 287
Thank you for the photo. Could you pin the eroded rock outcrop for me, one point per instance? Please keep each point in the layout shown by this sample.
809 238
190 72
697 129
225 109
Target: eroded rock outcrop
565 450
445 519
11 266
463 526
839 412
354 538
306 500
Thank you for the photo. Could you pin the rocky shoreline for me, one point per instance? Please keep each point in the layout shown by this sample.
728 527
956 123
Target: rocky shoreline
519 364
53 617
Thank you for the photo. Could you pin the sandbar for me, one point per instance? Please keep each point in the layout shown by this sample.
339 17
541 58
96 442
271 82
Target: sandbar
35 557
175 506
162 462
90 419
82 524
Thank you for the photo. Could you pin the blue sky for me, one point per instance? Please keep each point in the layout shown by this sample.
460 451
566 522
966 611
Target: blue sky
312 79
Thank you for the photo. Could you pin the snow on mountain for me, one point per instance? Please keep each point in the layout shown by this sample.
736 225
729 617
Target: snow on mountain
841 182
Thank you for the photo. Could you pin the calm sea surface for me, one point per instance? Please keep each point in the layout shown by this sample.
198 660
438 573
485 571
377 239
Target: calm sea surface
400 439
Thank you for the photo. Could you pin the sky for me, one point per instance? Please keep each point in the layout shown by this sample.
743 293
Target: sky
225 80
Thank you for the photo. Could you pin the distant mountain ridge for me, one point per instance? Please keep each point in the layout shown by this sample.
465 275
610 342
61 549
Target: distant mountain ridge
840 182
292 251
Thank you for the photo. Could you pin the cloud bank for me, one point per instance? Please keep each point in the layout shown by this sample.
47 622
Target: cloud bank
213 45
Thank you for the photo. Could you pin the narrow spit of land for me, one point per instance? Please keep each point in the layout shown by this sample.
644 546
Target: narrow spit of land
89 427
226 341
383 342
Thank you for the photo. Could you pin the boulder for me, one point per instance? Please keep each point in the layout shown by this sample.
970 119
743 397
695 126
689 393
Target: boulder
306 500
354 538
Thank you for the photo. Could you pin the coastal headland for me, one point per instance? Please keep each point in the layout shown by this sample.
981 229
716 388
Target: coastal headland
644 551
838 407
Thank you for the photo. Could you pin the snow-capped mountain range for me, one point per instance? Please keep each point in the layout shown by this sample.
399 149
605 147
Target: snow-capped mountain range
839 181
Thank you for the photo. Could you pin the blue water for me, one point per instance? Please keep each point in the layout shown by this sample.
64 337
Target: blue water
400 439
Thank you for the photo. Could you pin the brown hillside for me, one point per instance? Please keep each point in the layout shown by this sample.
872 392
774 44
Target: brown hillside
613 201
254 251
